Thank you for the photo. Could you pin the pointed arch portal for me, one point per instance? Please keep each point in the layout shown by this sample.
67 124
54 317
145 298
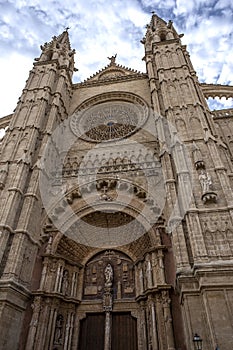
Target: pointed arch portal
109 278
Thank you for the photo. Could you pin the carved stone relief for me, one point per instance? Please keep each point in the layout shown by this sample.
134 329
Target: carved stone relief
109 269
108 121
218 235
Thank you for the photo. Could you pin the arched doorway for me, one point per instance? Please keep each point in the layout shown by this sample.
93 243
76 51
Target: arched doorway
115 298
108 297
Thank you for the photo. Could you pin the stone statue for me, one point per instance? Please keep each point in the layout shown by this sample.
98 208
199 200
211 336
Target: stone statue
205 181
45 52
197 157
108 273
112 59
58 330
65 282
49 245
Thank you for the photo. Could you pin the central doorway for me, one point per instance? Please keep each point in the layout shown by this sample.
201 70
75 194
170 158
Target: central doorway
123 332
108 290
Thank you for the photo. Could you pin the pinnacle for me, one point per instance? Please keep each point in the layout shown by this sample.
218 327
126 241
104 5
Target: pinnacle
64 38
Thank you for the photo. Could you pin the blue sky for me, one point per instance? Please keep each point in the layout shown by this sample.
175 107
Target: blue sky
101 28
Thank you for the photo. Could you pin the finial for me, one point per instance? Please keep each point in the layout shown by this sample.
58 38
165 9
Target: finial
112 59
153 12
67 28
169 24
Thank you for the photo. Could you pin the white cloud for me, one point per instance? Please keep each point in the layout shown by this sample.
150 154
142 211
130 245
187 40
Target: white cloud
217 103
12 80
223 4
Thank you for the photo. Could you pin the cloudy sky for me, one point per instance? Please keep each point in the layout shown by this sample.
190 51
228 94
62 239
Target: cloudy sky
100 28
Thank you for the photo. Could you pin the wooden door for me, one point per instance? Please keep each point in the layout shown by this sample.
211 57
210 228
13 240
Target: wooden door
124 332
92 332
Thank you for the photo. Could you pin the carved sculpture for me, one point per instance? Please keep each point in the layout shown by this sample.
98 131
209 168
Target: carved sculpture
197 157
65 282
58 330
108 273
205 181
112 60
206 184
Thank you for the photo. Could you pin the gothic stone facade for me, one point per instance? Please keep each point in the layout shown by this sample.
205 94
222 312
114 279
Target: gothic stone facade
116 206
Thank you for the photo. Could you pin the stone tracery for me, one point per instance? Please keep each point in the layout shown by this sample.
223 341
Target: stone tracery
108 121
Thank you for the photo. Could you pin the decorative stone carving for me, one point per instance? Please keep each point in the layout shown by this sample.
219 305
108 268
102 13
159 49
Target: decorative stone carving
135 162
36 306
209 197
104 196
108 297
114 73
218 234
58 330
206 184
65 282
205 181
104 186
72 195
100 279
107 300
197 157
3 174
25 158
27 263
49 245
112 60
108 273
108 121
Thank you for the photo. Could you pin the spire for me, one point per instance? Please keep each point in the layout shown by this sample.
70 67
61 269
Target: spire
63 38
59 49
159 31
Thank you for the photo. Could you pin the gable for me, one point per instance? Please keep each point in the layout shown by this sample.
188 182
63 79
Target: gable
114 72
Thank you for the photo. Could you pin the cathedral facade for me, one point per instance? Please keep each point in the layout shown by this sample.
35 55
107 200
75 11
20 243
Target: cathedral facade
117 206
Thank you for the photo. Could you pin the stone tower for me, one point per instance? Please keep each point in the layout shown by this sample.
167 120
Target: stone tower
116 205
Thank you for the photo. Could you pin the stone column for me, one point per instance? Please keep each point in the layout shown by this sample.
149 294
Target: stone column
51 317
43 275
141 284
43 326
71 329
161 266
152 81
168 320
58 281
34 322
155 268
67 332
74 283
154 328
53 329
148 272
143 326
107 332
107 305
